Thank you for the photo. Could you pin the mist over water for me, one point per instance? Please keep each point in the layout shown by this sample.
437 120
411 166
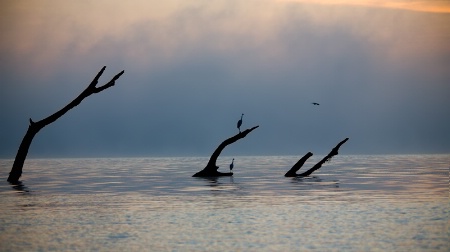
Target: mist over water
353 203
378 70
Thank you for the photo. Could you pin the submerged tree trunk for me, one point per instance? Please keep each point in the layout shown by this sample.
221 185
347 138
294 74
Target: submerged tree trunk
299 164
35 127
211 168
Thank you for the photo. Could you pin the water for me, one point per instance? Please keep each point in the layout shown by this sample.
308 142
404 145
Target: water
353 203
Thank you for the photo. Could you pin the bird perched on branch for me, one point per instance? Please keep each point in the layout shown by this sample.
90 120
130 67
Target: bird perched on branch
239 123
231 165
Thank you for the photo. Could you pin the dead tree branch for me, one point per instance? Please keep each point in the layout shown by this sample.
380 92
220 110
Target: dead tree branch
299 164
35 127
211 168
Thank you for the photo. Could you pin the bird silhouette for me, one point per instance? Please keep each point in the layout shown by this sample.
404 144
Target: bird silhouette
315 103
239 123
232 165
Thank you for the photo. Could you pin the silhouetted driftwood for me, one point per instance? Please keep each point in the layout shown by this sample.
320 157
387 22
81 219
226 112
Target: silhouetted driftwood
35 127
211 168
299 164
293 171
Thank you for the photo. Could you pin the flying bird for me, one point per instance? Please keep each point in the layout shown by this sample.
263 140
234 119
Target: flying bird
239 123
232 165
315 103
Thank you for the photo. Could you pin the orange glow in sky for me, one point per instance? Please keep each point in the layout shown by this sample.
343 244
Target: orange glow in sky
442 6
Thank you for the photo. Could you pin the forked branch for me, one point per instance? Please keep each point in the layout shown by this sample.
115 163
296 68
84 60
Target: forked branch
35 127
299 164
211 168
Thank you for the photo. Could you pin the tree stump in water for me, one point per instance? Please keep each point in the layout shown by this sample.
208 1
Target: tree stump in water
35 127
211 168
293 171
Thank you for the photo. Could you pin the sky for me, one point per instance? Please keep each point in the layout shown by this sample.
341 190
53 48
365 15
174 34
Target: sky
379 69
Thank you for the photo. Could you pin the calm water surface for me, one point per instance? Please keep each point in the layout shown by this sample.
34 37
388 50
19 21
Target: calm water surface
353 203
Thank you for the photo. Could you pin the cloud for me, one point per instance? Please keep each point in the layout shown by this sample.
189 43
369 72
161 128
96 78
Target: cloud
149 34
191 68
438 6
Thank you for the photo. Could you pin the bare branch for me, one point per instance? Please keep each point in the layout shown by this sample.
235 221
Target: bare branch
109 84
95 80
299 164
35 127
211 168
